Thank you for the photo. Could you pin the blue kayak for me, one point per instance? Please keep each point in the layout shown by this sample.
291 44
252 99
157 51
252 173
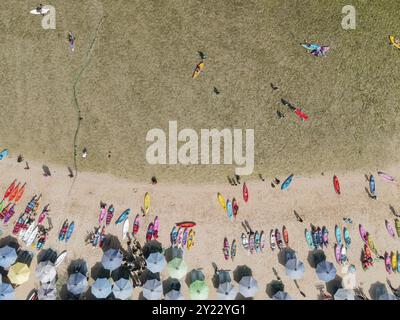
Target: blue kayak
3 154
70 231
229 209
311 46
287 182
372 184
123 216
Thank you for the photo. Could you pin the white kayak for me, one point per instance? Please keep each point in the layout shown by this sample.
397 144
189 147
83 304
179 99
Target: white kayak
44 11
28 232
32 236
125 229
60 258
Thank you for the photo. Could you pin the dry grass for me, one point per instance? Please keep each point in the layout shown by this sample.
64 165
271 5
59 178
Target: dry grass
139 78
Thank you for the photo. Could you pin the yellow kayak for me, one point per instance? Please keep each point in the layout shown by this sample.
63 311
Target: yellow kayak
146 203
371 245
190 241
394 261
198 70
392 41
222 201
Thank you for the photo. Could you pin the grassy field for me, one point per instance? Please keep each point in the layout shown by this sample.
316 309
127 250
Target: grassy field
138 77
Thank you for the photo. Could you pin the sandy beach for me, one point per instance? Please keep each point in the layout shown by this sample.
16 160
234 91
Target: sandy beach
311 196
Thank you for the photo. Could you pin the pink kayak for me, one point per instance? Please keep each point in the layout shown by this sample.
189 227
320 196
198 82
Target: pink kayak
102 215
390 228
156 227
363 233
338 254
386 176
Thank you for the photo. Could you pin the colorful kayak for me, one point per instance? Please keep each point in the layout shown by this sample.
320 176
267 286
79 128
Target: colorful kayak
4 211
252 242
273 240
363 233
226 249
235 207
9 214
285 236
10 189
336 184
398 262
262 241
309 239
136 225
397 226
186 224
394 261
185 237
190 241
156 227
325 236
315 238
102 214
371 245
63 231
338 235
70 231
320 238
32 236
149 233
180 236
388 263
386 176
338 254
393 42
125 229
100 237
287 182
390 228
124 215
146 203
14 193
343 254
174 235
245 192
278 238
245 242
43 214
110 214
372 185
233 249
198 70
257 242
301 114
346 236
221 201
20 193
27 233
3 154
229 209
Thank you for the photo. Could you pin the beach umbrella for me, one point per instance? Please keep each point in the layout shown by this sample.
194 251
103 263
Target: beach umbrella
101 288
46 271
248 286
123 289
19 273
152 289
198 290
344 294
77 283
176 252
294 269
174 295
196 274
326 271
177 268
281 295
226 291
156 262
47 291
387 296
7 292
111 259
8 256
224 276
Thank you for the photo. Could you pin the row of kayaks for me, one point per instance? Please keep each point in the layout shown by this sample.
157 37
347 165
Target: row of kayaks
317 237
392 262
254 242
393 230
182 236
230 207
316 49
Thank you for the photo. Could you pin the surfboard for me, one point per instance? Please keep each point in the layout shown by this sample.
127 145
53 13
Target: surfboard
221 201
309 239
338 255
363 233
233 249
26 235
124 215
226 249
60 259
343 254
245 192
156 227
286 184
3 154
392 41
372 184
336 184
125 229
272 239
102 214
390 228
262 240
44 11
235 207
386 176
32 236
199 68
346 236
146 203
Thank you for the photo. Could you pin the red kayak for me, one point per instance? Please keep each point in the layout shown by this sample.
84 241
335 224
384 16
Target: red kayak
10 189
186 224
14 193
301 114
20 193
245 192
336 184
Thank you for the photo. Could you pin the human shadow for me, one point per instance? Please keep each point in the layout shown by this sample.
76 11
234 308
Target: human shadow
111 242
10 241
152 246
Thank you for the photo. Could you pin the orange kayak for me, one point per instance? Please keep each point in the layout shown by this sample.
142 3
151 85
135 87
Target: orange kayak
14 193
20 193
10 189
198 70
